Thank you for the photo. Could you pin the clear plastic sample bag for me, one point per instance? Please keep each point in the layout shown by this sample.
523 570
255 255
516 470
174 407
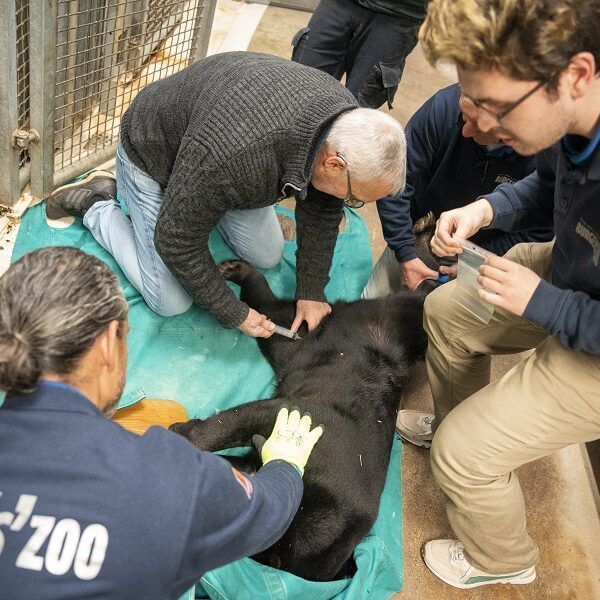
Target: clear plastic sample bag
465 292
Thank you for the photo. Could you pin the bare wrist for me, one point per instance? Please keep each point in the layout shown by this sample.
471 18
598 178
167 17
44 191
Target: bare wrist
487 212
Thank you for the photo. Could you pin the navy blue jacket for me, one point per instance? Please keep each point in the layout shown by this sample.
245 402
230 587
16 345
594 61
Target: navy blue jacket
445 170
569 194
90 510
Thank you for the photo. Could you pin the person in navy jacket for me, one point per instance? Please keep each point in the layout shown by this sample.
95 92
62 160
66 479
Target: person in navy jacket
450 163
536 82
88 509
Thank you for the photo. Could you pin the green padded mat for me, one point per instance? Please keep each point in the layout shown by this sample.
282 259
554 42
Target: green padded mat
191 359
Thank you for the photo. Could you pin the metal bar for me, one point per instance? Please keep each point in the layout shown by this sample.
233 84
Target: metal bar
42 27
94 29
108 91
65 71
24 175
132 36
84 58
23 95
9 114
67 43
205 13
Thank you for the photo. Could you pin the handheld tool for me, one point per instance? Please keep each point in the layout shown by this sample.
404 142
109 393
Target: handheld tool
288 333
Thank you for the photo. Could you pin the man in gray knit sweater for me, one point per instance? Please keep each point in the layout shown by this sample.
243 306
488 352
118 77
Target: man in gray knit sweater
217 145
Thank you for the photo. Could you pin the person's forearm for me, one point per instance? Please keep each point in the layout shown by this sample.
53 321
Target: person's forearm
394 214
247 514
527 204
572 316
317 218
196 271
280 484
485 211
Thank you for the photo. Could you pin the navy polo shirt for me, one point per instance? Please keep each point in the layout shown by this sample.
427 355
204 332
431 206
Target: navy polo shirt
90 510
564 189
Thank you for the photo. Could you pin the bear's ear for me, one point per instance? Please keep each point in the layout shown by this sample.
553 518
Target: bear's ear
425 224
423 230
428 285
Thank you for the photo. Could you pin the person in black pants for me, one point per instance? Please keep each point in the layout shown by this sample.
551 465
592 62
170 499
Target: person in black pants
368 40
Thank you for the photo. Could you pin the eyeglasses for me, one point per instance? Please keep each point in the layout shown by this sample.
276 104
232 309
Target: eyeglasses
501 115
351 201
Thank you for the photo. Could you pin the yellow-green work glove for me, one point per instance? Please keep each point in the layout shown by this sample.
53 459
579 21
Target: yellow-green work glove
291 440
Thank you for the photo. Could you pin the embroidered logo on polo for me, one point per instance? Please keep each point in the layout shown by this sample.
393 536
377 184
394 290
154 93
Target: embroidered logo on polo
591 237
503 178
244 482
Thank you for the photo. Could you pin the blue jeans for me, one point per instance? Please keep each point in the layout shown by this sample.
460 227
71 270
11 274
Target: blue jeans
254 235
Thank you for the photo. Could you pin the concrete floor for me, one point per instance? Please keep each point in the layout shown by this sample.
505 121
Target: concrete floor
562 513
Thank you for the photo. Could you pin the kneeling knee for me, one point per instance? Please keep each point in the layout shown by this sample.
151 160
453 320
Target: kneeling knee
268 260
171 307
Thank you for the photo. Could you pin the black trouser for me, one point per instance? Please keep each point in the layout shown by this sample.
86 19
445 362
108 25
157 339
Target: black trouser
370 47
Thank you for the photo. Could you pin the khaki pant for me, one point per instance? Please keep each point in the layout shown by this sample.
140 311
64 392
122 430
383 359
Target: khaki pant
548 401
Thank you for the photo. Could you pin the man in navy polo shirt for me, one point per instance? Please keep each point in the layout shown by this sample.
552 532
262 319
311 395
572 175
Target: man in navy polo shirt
88 509
450 162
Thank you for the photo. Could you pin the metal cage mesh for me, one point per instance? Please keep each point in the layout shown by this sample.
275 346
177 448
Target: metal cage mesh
107 50
22 24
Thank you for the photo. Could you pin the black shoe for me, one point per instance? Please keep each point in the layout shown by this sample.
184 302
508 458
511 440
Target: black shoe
75 199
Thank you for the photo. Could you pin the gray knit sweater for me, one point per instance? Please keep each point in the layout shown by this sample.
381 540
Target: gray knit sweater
235 131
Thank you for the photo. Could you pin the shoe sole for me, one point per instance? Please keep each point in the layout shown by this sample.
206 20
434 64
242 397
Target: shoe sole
419 443
464 586
54 212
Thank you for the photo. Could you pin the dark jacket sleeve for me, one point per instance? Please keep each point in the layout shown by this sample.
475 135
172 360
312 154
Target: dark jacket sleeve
234 515
527 204
195 200
394 214
570 315
318 217
424 133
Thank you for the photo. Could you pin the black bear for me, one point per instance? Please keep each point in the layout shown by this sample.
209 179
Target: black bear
348 374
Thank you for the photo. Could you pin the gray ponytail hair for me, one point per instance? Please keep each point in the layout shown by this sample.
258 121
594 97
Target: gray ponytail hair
54 303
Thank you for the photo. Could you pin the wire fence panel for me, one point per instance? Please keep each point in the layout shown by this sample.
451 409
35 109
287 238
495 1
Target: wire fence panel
71 69
80 63
9 155
22 23
107 50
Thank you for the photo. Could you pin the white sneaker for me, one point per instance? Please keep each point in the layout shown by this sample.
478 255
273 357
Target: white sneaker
446 560
415 427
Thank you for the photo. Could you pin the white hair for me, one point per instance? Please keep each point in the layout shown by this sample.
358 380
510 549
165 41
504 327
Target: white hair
373 145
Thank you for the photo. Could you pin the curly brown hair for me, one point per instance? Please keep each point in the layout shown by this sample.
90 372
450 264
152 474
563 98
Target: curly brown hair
525 39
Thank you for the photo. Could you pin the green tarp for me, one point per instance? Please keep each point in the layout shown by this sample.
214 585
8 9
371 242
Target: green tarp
191 359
